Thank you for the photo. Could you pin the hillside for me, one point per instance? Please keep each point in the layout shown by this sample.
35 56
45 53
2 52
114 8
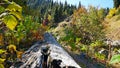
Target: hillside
54 11
90 36
112 28
72 41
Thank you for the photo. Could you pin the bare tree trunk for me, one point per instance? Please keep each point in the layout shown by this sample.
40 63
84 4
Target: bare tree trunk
32 57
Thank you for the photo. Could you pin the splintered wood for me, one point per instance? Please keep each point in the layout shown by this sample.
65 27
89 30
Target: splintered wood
32 57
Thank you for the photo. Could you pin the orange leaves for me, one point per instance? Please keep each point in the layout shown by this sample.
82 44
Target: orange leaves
78 13
19 54
82 10
37 35
13 51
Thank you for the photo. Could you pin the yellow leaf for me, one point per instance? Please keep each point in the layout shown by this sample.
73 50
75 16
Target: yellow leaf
12 47
10 21
2 51
2 66
2 60
49 17
17 14
14 7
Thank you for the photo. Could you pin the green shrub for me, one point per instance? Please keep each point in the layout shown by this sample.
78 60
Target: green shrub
100 56
115 59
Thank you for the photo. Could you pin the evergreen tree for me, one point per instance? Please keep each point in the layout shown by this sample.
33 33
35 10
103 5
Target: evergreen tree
79 6
56 15
116 3
58 11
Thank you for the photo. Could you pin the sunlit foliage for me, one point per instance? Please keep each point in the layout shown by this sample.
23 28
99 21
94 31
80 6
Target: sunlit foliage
15 32
111 13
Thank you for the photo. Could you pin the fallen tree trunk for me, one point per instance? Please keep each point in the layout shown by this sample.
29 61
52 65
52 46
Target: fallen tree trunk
31 58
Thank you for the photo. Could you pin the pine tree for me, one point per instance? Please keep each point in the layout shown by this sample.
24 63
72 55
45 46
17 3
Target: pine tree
79 6
56 15
57 10
116 3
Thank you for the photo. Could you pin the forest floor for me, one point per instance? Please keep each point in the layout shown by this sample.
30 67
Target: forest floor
86 62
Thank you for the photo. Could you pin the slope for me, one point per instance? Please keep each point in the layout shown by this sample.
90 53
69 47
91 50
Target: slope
112 28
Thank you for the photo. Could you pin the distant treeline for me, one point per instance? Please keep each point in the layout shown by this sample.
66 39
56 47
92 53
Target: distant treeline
56 11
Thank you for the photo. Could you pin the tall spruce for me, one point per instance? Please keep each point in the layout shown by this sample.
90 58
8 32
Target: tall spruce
79 6
116 3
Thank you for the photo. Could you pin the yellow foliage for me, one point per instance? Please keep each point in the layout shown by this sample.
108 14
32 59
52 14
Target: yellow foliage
14 7
10 21
78 13
111 13
49 17
2 66
19 54
82 10
17 14
2 51
2 60
12 48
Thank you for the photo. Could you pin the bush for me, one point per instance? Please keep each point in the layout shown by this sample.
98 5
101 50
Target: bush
86 27
115 59
15 32
100 56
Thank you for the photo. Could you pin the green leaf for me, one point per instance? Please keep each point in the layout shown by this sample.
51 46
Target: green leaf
14 7
72 45
115 59
10 21
78 40
17 14
84 48
2 9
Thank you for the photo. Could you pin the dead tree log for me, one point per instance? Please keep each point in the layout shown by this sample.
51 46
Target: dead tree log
31 58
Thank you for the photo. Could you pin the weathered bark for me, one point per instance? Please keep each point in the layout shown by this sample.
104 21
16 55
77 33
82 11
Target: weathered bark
32 57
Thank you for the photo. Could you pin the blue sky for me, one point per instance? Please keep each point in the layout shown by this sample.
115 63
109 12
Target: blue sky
86 3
